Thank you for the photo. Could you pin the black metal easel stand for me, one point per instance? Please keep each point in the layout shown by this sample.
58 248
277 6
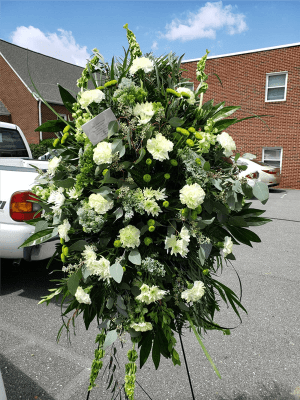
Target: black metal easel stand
187 368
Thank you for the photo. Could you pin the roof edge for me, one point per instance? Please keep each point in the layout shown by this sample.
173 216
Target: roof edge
244 52
18 76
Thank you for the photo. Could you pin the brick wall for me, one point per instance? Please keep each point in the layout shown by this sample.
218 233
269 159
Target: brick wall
19 101
47 115
244 78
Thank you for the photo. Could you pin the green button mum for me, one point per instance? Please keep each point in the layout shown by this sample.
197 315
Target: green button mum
148 241
117 243
167 176
147 178
110 83
190 142
174 163
151 222
148 161
151 228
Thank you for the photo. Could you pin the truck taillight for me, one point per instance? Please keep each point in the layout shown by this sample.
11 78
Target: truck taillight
21 209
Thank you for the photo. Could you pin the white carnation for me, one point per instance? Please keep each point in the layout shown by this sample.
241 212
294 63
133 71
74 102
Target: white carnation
141 63
192 195
63 230
82 297
103 153
228 244
91 96
191 99
159 147
227 143
130 236
144 112
100 204
194 294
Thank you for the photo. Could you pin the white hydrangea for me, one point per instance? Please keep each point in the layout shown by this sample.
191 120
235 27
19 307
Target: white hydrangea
103 153
130 236
143 63
99 268
81 296
191 99
91 96
195 293
178 245
100 204
150 294
192 195
53 164
159 147
141 326
227 143
144 112
63 230
228 244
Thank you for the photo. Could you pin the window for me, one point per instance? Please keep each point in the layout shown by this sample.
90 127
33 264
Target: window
11 143
64 116
272 156
189 85
276 86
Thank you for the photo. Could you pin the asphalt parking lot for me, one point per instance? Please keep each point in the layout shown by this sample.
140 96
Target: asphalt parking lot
260 360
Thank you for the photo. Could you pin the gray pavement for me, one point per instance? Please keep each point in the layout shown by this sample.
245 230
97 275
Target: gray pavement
260 360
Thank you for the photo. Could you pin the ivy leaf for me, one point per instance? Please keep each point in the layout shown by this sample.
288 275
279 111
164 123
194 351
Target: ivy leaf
135 257
111 337
116 272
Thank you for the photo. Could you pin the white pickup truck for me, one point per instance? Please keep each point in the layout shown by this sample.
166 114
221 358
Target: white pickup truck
16 178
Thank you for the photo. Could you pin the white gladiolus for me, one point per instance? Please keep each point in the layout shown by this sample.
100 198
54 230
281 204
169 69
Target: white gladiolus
192 195
103 153
150 294
100 204
91 96
159 147
178 245
63 230
227 143
194 294
82 297
228 244
141 63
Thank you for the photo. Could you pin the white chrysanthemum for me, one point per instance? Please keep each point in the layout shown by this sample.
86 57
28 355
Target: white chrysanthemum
82 297
178 245
130 236
191 99
151 207
53 164
194 294
227 143
228 244
74 193
58 199
141 326
192 195
91 96
159 147
144 112
100 204
103 153
100 268
63 230
150 294
141 63
89 254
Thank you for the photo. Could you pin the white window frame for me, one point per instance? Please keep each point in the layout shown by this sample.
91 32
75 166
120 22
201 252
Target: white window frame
64 116
267 85
265 160
189 85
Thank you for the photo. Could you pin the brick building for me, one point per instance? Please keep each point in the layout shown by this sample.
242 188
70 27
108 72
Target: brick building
18 102
262 82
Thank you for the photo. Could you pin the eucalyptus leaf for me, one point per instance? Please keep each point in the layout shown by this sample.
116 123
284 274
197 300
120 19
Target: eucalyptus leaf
104 324
135 257
113 128
40 226
261 192
133 333
65 183
111 337
116 272
109 303
207 247
120 302
73 281
118 213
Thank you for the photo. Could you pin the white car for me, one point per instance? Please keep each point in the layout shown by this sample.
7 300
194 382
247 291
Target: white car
261 171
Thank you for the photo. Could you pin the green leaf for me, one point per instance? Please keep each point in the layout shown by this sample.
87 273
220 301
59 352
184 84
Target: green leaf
247 189
183 306
116 272
206 247
202 345
237 156
78 246
135 257
113 128
175 122
156 352
261 192
65 183
51 126
145 349
67 98
237 221
135 291
205 222
111 337
117 145
244 235
142 154
217 183
40 237
133 333
225 112
257 221
118 213
110 302
104 190
41 226
206 166
73 281
201 255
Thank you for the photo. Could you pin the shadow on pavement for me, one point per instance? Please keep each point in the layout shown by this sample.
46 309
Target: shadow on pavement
273 190
18 385
277 392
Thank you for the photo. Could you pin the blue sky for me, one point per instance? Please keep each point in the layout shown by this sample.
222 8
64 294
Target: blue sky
69 30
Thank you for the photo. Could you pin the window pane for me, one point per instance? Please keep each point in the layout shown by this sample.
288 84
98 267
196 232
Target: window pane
11 144
273 154
276 80
273 163
276 94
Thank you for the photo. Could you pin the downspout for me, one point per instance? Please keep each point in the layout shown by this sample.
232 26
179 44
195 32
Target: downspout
40 118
